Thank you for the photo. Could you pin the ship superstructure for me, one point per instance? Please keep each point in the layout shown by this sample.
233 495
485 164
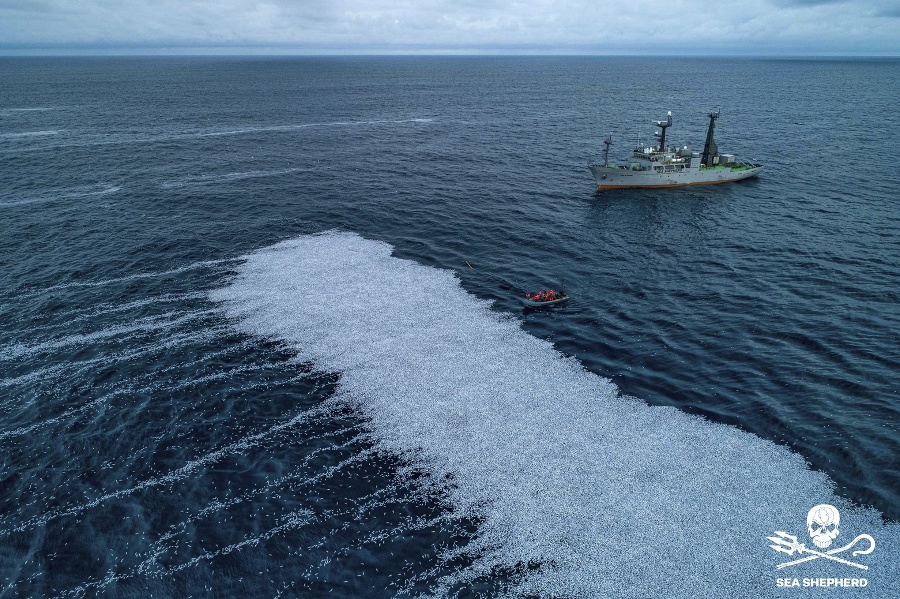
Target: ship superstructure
671 166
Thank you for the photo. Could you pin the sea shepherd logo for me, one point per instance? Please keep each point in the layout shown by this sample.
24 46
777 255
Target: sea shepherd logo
823 525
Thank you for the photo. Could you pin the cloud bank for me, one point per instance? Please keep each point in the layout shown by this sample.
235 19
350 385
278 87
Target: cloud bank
809 27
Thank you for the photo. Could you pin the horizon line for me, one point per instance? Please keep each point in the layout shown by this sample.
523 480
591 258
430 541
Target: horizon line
194 53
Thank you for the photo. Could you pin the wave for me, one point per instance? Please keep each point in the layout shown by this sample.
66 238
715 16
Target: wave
207 179
30 134
119 333
304 126
102 139
134 277
63 195
608 495
168 543
20 350
74 315
172 476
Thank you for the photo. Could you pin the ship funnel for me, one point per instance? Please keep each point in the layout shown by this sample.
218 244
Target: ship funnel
710 150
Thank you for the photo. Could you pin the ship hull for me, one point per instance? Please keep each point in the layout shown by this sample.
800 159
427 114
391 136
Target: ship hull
619 178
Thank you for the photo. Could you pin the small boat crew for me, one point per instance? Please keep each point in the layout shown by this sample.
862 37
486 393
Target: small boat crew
545 297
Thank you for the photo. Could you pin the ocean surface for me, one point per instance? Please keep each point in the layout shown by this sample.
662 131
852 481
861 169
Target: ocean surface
261 332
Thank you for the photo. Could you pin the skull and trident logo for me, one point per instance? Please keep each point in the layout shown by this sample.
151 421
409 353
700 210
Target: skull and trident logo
822 524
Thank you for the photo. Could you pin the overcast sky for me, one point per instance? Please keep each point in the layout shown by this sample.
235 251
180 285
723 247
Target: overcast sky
754 27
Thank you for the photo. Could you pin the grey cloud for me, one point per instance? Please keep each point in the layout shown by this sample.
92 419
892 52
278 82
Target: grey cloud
890 8
789 3
467 26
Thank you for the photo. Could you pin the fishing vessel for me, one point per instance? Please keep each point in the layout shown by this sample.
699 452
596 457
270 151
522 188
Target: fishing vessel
664 166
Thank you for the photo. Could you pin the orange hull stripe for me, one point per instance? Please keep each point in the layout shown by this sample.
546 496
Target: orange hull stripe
668 184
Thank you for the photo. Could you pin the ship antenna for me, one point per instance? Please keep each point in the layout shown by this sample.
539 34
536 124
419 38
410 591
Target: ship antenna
607 142
663 125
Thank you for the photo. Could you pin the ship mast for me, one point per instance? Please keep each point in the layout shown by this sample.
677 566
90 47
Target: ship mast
710 150
607 142
662 135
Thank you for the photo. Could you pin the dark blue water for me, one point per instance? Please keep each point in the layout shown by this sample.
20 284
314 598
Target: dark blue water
151 448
